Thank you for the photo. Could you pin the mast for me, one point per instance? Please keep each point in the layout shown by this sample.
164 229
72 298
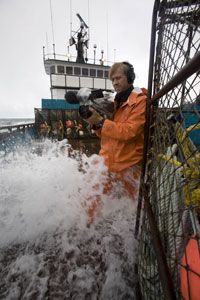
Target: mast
80 39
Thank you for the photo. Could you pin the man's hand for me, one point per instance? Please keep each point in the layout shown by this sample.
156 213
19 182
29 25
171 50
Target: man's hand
95 118
91 116
84 111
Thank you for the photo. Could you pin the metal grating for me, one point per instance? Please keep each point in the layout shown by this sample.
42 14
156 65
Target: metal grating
169 250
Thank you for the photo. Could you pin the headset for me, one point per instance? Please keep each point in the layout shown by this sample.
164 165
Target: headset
130 72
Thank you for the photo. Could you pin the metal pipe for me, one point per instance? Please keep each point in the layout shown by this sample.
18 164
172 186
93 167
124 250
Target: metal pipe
54 51
148 108
190 68
163 270
43 53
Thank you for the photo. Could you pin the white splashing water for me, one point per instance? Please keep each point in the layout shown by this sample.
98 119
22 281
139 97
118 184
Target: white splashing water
47 249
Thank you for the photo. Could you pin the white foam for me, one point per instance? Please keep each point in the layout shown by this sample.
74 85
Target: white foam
38 192
42 215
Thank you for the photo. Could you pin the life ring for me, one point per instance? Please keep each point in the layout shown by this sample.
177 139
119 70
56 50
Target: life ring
190 271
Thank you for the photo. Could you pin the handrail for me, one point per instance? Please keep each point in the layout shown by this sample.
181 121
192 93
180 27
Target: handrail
17 126
72 59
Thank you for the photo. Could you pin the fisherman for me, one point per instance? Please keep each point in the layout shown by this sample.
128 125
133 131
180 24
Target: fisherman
122 138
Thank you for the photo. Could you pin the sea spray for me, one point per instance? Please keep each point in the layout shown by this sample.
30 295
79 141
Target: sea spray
47 249
39 188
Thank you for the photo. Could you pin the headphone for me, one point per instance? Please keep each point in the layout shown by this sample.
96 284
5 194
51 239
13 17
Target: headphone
130 72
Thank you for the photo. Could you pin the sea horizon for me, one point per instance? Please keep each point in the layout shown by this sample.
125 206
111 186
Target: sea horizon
15 121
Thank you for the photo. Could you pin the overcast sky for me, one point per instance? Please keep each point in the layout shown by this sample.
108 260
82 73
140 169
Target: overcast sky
25 27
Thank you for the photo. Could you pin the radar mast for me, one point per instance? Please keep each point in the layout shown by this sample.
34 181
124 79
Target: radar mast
80 39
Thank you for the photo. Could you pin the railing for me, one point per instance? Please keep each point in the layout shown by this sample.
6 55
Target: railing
19 127
71 58
11 136
10 130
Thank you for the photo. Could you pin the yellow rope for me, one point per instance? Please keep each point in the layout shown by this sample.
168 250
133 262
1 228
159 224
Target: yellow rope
193 127
191 169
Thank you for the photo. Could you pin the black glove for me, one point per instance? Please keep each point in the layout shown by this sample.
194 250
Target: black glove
85 112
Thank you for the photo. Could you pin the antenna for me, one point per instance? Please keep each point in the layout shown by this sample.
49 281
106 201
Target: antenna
82 21
114 55
70 17
52 22
88 19
47 43
107 37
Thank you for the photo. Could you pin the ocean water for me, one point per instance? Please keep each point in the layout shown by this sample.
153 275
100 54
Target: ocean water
48 249
15 121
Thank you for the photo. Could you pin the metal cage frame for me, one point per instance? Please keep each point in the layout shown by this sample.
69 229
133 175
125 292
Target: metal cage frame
169 197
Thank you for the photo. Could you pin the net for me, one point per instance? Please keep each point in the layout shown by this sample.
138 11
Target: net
169 250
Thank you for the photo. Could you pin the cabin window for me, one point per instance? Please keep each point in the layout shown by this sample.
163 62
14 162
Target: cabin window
100 73
77 71
69 70
84 71
61 69
52 70
93 72
106 74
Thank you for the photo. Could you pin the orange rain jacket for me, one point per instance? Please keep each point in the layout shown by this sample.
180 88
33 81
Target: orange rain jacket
122 139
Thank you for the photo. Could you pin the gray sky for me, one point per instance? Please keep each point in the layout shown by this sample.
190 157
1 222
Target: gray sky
25 27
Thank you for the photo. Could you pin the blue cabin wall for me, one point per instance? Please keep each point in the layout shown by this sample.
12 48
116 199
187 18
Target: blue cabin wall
58 104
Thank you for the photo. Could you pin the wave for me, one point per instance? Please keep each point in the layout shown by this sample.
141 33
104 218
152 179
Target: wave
47 247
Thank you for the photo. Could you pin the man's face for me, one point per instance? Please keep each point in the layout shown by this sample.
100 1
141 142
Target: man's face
119 81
